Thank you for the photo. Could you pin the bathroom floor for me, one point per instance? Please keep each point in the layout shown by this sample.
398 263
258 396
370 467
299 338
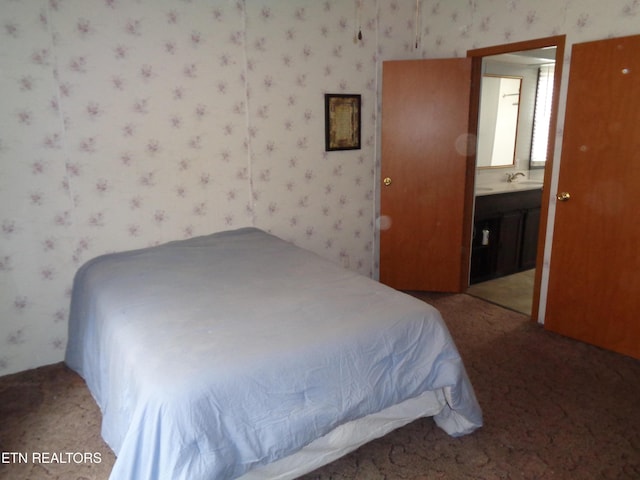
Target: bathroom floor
513 291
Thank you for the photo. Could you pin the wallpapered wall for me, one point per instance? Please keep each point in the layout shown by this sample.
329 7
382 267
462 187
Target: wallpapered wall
130 123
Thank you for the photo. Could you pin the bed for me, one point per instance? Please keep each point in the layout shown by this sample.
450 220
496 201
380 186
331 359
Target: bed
240 355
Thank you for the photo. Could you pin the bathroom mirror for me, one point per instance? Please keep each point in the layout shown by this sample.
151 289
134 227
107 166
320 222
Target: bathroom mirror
498 126
535 70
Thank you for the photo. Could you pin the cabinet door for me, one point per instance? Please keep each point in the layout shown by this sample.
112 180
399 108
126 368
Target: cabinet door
530 238
484 254
510 238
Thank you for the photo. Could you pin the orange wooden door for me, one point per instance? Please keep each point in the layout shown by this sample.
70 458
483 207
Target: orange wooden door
425 122
594 279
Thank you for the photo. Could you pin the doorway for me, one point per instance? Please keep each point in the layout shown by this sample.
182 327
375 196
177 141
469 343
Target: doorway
427 170
513 129
516 283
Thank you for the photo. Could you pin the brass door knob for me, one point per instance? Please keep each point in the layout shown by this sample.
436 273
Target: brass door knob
387 181
564 196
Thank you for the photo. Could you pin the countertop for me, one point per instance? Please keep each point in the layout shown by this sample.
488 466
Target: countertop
505 187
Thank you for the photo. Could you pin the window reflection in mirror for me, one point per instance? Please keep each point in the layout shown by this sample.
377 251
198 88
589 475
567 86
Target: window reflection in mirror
529 149
542 116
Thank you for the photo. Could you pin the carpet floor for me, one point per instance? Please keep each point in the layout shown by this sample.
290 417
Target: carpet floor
553 408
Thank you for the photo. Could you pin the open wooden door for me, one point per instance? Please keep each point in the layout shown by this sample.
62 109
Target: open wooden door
594 276
424 244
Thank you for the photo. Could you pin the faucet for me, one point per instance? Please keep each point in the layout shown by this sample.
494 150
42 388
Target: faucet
511 177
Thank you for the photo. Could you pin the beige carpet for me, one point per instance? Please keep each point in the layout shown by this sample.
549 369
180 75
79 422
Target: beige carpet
512 291
553 408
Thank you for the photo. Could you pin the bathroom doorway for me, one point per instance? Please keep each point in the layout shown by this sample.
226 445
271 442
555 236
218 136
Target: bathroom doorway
527 156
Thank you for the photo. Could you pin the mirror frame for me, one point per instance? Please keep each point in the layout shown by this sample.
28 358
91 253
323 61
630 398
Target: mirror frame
476 56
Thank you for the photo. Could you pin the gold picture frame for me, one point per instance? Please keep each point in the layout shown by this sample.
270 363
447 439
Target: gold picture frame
342 121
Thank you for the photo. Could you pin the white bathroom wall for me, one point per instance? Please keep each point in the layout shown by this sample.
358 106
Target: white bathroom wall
130 123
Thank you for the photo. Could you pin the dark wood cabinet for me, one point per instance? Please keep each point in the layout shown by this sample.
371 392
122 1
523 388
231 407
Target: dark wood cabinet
530 227
505 234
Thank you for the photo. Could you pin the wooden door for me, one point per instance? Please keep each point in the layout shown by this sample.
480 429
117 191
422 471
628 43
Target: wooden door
594 279
424 244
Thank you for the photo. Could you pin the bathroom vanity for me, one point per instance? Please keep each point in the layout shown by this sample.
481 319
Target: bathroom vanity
505 230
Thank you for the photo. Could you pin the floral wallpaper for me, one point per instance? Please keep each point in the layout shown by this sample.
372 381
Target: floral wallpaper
128 123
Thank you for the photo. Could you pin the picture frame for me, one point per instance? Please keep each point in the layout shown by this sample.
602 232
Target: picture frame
342 121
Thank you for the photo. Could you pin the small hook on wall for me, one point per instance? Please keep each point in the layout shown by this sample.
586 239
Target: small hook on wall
358 37
417 22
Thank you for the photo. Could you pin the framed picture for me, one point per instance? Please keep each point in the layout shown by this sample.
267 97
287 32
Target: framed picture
342 121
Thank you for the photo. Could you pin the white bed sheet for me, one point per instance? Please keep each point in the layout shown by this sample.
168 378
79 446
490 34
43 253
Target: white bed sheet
212 356
348 437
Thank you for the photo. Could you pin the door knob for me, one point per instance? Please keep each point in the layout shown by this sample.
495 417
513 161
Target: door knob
387 181
564 196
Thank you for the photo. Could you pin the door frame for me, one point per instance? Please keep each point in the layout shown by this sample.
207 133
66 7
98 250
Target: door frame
476 75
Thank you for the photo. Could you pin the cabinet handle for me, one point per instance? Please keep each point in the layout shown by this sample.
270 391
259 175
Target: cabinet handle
564 196
387 181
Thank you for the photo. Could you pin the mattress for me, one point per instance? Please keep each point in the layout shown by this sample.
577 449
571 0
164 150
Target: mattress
218 355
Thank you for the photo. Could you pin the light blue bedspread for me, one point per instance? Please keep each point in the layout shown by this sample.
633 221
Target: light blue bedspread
212 355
